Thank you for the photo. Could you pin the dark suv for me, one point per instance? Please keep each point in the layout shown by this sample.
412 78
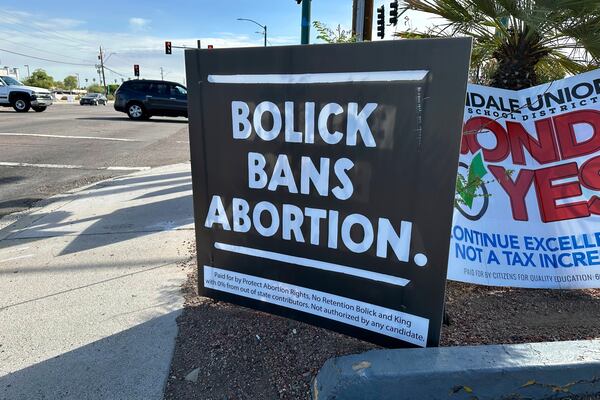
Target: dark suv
141 99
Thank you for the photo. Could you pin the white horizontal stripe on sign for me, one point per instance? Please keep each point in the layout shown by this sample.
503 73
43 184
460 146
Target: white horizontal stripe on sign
326 77
68 137
317 264
374 318
67 166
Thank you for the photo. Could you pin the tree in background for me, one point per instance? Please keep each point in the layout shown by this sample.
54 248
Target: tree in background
70 82
40 78
337 35
519 43
112 88
95 88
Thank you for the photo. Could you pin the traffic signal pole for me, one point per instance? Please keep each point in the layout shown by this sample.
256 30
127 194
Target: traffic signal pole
305 23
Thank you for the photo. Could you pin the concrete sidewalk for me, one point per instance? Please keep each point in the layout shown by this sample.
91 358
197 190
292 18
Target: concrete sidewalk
90 289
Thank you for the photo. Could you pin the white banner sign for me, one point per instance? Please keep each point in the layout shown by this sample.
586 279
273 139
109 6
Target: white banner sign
535 221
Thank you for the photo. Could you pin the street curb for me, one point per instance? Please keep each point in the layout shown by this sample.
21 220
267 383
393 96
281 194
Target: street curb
523 371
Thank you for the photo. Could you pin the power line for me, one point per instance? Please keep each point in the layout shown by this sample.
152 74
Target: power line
47 59
35 26
31 33
42 50
115 72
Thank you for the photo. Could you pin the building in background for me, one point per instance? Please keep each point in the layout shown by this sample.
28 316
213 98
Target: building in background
12 72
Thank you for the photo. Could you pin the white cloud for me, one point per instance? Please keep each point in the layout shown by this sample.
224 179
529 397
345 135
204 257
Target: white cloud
76 44
138 24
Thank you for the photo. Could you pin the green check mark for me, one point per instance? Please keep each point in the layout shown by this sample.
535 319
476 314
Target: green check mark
476 172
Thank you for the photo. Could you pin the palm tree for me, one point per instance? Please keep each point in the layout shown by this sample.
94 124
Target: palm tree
519 42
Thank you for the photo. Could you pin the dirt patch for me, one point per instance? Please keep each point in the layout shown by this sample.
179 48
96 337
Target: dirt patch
245 354
491 315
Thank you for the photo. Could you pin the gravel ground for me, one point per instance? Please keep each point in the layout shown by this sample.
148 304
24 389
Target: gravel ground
240 353
492 315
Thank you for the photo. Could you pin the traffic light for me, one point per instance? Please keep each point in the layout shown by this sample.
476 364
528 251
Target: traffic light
168 48
394 12
381 22
136 70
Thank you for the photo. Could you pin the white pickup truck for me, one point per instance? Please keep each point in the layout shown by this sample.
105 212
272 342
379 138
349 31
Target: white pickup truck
20 97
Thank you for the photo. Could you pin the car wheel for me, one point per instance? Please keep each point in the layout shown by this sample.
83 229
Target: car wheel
39 108
136 112
21 104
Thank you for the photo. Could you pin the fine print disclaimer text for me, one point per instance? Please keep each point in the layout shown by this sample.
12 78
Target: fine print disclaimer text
381 320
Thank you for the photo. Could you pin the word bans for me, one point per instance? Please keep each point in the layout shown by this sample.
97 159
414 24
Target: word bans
281 175
356 122
304 225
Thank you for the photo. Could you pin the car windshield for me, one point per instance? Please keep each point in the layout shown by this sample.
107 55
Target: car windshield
93 95
11 81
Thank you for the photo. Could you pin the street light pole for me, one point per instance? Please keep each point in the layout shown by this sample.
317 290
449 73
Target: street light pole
264 27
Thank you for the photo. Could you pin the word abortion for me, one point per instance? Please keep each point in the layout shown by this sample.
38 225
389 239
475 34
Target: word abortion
289 221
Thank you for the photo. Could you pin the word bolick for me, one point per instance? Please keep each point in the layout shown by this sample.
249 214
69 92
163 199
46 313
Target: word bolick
356 122
324 181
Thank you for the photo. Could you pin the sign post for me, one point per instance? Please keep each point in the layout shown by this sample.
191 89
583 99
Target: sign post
324 181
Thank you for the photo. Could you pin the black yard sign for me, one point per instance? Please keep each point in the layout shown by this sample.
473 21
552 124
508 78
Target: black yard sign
324 181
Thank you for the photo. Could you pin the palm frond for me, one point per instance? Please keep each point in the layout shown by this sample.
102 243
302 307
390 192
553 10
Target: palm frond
519 34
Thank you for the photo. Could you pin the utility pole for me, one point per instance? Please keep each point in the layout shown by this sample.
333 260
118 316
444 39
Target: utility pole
162 78
27 66
362 19
101 58
305 22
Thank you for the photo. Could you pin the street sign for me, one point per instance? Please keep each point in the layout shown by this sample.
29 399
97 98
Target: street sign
324 181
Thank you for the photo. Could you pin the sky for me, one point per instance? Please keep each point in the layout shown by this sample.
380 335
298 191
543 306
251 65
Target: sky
134 32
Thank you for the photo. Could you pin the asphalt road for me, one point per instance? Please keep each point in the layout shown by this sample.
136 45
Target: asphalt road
67 146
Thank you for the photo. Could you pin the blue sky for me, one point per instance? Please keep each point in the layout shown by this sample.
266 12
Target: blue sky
134 32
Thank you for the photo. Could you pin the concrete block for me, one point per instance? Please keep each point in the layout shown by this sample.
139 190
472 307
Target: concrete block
522 371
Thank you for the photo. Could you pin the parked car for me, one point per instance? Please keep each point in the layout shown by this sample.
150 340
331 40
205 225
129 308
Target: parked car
93 99
141 99
20 97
